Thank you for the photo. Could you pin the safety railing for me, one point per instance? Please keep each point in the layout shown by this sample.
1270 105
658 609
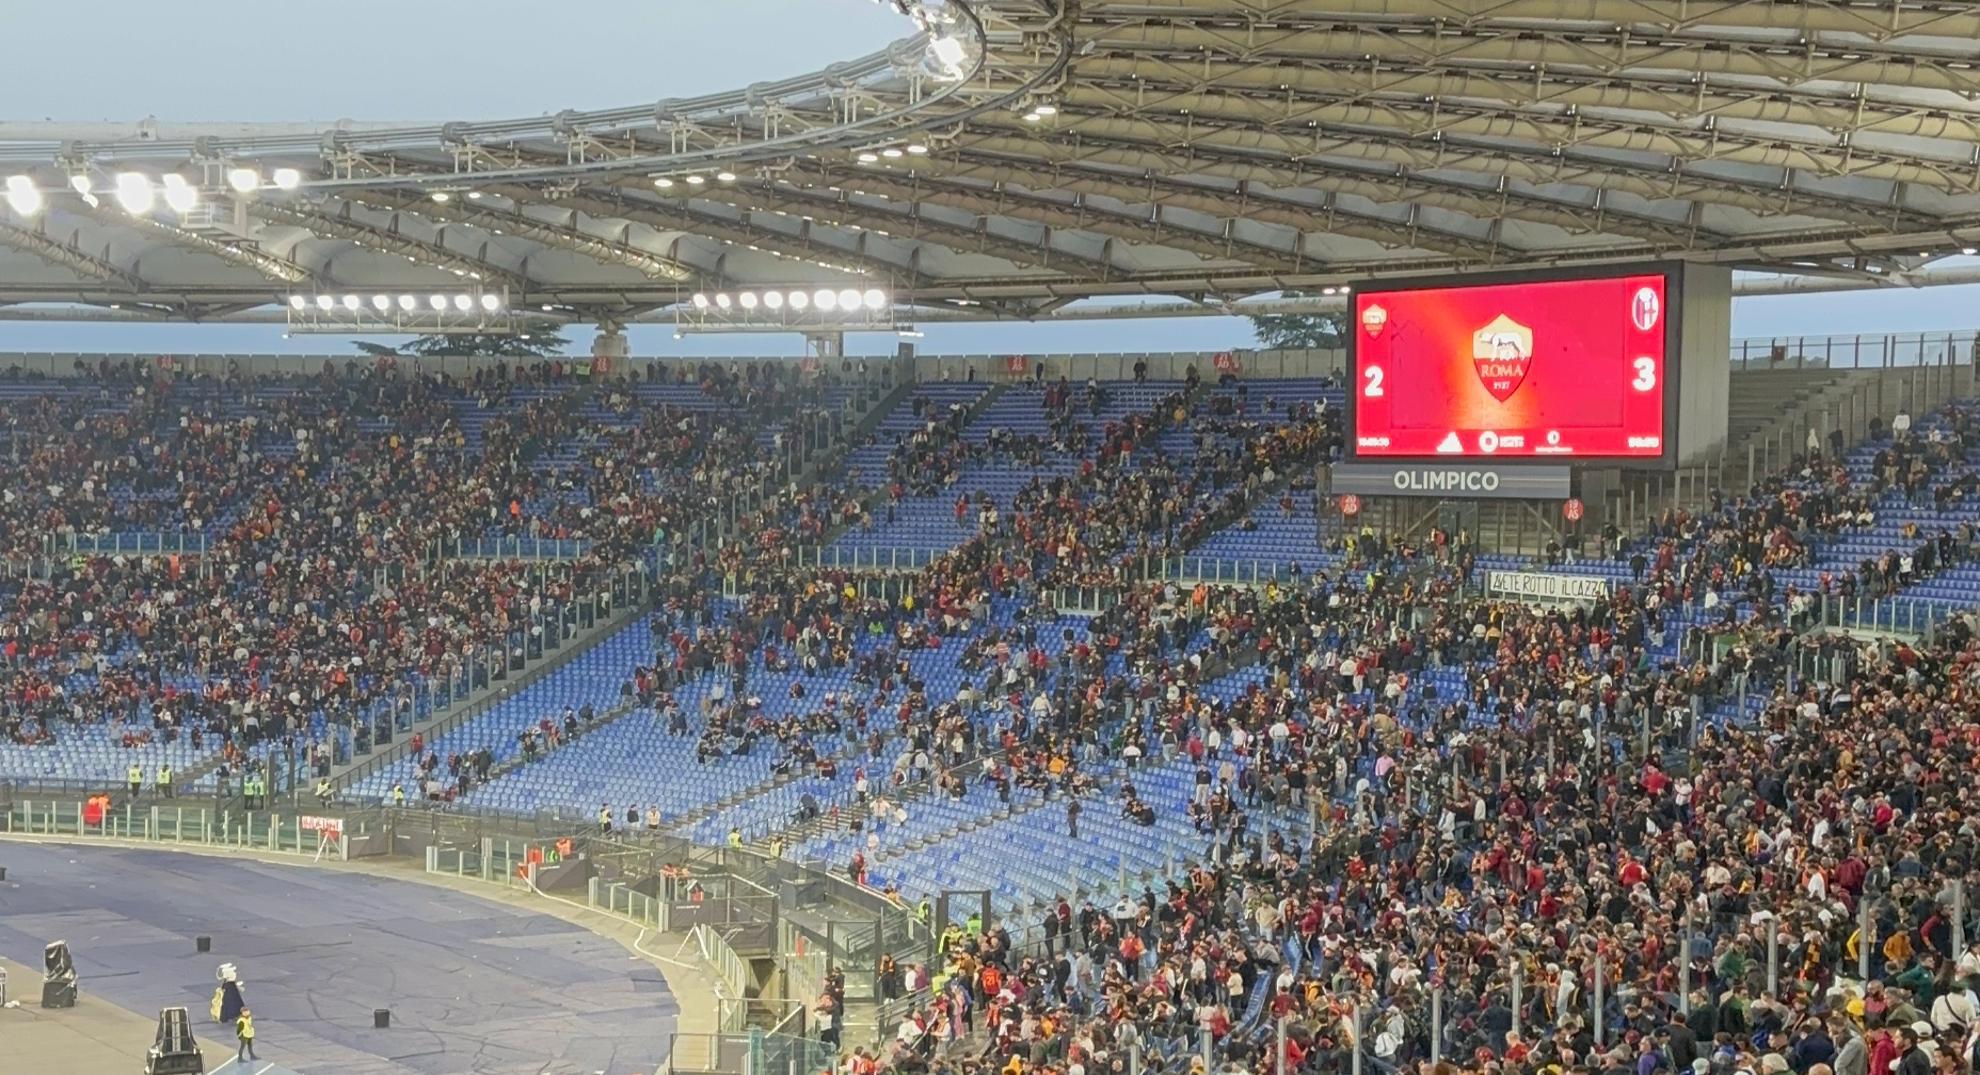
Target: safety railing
1890 350
162 823
514 548
128 543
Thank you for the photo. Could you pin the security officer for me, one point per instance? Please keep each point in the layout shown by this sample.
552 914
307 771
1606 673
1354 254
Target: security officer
398 795
251 788
924 911
735 837
164 782
324 792
244 1030
137 779
605 819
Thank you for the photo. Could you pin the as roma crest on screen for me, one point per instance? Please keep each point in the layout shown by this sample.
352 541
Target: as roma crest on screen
1373 320
1502 352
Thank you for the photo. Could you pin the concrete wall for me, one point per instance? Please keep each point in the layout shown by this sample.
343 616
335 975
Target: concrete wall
1703 361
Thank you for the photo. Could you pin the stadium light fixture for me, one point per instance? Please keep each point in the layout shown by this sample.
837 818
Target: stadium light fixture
474 195
700 301
297 302
747 299
800 300
722 300
1047 110
463 303
1032 117
134 193
79 183
849 299
949 52
408 303
325 303
352 302
1968 251
696 180
286 178
825 299
490 302
381 303
773 299
891 153
180 195
726 177
874 298
244 180
917 149
869 158
23 197
438 302
442 197
662 182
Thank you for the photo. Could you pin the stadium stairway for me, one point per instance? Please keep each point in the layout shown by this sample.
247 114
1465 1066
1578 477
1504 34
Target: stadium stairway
441 721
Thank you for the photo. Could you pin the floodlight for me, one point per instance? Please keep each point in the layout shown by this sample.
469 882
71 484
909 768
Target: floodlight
874 298
799 300
700 301
726 177
825 298
134 193
1047 110
1967 250
849 299
287 179
662 182
179 194
474 195
695 180
773 299
891 153
243 180
352 302
490 302
23 197
296 302
916 148
438 302
948 51
722 300
868 158
1032 117
325 302
408 303
442 196
381 303
748 300
463 303
79 183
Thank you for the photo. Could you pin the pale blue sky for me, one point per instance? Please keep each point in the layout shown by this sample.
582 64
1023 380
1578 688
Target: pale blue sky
439 60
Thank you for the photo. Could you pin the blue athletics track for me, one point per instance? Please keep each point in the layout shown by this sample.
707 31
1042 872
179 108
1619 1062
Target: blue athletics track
473 986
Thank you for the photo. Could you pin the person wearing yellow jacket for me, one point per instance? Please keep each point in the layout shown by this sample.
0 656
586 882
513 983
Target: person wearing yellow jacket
244 1030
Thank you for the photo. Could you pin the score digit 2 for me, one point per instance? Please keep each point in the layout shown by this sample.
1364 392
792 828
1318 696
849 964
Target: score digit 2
1373 375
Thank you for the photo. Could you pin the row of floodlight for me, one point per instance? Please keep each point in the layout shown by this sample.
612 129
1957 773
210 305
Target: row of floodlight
438 303
875 156
824 299
140 194
666 182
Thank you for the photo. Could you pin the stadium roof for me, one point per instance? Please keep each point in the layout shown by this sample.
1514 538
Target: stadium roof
1014 156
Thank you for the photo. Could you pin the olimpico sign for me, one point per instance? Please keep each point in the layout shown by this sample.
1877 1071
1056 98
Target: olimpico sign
1434 479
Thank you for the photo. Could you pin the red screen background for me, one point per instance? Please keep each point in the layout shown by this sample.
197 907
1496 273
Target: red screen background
1580 382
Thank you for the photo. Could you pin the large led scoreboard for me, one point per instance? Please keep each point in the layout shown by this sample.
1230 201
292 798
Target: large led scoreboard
1561 367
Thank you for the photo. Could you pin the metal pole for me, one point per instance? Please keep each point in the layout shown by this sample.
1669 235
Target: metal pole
1134 1058
1206 1048
1959 918
1280 1048
1774 956
1437 1025
1866 938
1684 962
1356 1068
1518 996
1595 1000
